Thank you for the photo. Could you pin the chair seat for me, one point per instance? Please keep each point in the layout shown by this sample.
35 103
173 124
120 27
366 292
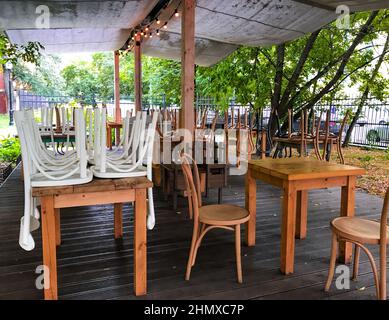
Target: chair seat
39 180
111 173
360 230
223 214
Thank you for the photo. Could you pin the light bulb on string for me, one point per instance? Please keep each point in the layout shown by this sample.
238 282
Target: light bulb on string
165 25
151 35
147 28
176 13
158 21
142 33
157 33
146 35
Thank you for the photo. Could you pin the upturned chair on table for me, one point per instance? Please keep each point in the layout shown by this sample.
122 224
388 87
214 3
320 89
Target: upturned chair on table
360 232
209 217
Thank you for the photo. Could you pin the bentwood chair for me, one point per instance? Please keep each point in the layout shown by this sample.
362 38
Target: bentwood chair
209 217
360 232
330 139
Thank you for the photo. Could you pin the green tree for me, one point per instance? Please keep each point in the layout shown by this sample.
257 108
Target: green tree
299 73
12 52
42 79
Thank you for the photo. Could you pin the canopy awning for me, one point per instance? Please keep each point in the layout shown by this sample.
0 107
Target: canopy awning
221 25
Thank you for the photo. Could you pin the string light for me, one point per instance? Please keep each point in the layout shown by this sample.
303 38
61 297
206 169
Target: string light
148 31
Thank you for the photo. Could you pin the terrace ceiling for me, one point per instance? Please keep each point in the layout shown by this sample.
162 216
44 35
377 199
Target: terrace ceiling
221 25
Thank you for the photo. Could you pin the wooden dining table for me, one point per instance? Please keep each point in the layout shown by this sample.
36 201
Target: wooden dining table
96 192
295 176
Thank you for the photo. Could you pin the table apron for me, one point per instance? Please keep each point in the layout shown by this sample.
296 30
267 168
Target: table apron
93 198
320 183
275 181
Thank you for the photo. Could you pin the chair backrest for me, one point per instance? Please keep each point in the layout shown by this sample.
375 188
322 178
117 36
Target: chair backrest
192 182
384 217
346 116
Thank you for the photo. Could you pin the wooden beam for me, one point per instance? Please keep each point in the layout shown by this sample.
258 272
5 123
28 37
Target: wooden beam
138 73
118 116
187 65
316 4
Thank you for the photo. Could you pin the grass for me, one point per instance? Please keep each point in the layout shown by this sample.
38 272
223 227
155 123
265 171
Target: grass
4 121
376 162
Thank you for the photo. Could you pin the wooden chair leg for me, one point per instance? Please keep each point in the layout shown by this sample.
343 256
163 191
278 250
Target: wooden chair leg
331 271
374 268
357 251
340 152
191 252
190 207
382 272
238 254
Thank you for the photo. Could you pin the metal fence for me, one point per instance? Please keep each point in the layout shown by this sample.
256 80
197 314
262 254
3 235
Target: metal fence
371 129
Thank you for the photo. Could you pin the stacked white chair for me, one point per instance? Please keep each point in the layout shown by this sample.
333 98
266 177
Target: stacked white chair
42 168
135 159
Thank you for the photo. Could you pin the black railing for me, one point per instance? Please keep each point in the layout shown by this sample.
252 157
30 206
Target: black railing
371 129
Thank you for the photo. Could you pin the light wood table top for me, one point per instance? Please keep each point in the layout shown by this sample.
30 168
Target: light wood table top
96 185
303 168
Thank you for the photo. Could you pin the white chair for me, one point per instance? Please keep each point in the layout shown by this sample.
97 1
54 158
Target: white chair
46 156
137 163
39 174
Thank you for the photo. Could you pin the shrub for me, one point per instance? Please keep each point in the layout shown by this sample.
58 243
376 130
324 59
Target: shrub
9 150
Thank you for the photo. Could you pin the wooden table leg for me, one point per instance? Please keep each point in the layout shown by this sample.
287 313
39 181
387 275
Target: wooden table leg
347 209
118 220
109 137
288 228
251 206
301 214
57 226
117 138
140 243
49 248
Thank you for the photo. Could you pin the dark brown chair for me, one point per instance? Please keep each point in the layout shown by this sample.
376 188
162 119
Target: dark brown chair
327 138
360 232
209 217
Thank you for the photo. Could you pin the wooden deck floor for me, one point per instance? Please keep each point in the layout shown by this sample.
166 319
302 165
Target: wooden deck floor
92 265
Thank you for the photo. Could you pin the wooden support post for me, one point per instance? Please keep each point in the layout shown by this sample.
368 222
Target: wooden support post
263 144
187 119
118 116
138 74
